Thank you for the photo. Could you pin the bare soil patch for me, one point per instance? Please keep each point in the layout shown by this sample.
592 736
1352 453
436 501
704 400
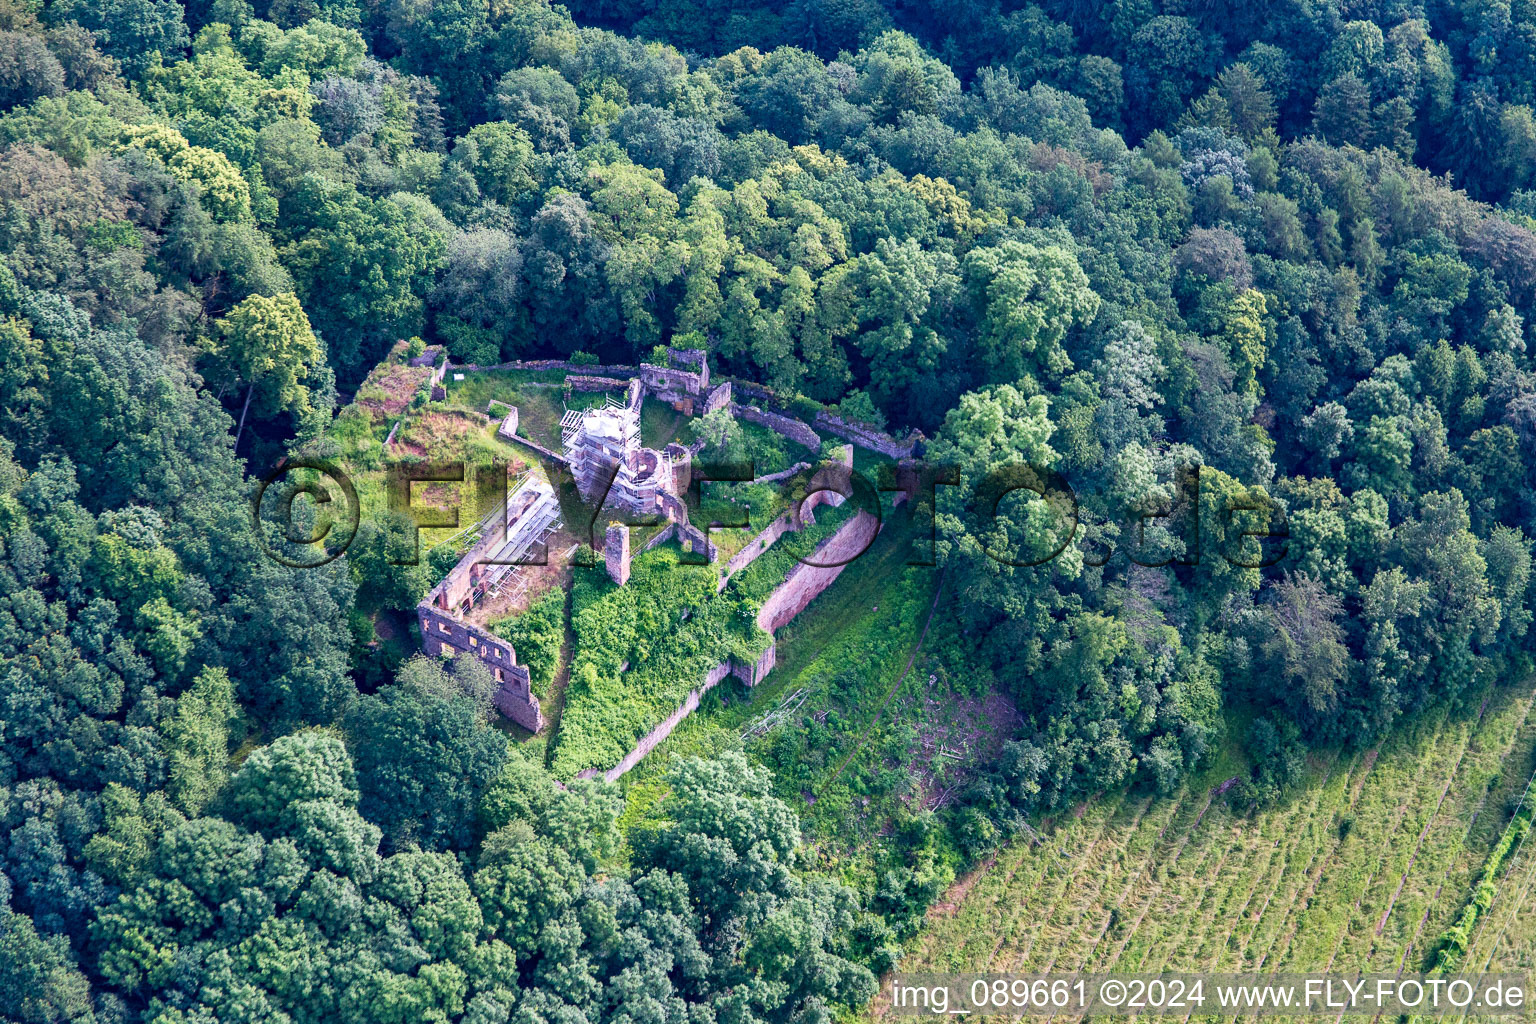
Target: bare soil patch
399 384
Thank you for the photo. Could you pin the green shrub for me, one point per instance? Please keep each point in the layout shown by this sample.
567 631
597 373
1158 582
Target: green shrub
642 647
537 635
805 408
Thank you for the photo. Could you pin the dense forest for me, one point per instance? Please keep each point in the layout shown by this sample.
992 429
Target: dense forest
1290 244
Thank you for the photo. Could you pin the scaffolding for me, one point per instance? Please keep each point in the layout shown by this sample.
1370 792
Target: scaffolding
532 515
570 427
603 448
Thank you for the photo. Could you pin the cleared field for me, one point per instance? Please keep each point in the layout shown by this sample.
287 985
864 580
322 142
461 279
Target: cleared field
1361 869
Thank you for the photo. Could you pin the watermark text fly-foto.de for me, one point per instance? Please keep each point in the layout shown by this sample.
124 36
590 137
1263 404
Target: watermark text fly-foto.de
1247 995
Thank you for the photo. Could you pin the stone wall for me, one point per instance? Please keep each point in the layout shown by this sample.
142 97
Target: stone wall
759 670
750 675
616 553
829 485
461 579
783 474
586 382
862 434
866 436
439 390
767 538
696 541
682 381
514 695
816 498
752 389
525 442
786 426
805 582
665 380
660 537
689 537
719 398
687 372
544 365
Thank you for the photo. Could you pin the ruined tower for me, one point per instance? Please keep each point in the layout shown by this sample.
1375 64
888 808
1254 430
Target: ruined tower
616 553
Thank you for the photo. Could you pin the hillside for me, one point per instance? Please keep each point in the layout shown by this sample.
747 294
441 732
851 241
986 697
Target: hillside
1184 352
1362 869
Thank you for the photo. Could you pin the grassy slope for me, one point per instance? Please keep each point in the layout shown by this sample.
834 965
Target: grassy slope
851 737
607 710
842 607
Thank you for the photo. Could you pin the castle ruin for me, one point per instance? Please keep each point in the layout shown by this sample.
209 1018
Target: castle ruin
613 470
530 514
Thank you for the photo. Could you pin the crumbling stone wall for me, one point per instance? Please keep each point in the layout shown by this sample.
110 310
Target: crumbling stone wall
783 474
428 357
767 538
682 465
866 436
786 426
514 698
508 428
689 537
584 382
719 398
543 365
555 457
616 553
668 383
756 672
461 579
756 391
682 381
829 485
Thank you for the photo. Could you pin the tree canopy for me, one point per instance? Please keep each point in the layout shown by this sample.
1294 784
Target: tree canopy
1222 315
